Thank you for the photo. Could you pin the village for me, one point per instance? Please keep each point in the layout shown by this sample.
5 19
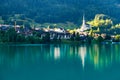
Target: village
83 34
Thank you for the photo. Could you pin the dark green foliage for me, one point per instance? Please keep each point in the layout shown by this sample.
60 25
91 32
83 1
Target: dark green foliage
3 37
99 39
8 35
20 38
11 35
46 38
108 37
55 11
77 37
30 39
73 36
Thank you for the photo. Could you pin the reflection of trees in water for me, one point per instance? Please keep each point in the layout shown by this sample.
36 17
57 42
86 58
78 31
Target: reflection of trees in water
100 56
117 49
104 55
7 54
18 55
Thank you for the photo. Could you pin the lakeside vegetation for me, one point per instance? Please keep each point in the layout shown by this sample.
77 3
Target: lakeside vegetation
11 36
102 29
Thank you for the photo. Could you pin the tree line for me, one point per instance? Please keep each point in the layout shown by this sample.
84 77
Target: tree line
55 11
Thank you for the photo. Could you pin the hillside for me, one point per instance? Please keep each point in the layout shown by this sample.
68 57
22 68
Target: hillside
58 11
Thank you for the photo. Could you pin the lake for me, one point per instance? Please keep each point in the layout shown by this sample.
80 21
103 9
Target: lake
59 62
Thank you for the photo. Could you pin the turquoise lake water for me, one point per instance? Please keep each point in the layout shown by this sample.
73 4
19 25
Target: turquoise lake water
59 62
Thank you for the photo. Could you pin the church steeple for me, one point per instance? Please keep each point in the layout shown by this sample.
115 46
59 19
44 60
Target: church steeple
84 26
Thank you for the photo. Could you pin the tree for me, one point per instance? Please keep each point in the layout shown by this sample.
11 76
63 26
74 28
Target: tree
116 26
100 20
77 37
20 38
46 38
91 34
11 35
99 39
73 36
117 37
3 36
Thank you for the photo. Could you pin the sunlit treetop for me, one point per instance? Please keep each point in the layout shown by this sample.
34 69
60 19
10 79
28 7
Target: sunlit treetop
100 20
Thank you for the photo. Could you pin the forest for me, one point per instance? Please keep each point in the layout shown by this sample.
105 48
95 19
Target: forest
56 11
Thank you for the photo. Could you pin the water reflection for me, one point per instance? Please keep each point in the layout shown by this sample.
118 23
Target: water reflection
56 52
82 53
100 56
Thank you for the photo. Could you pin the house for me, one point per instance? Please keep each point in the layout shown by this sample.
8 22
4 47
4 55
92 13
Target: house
5 27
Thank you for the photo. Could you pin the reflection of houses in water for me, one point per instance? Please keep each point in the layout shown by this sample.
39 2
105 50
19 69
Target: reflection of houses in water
99 56
56 52
82 54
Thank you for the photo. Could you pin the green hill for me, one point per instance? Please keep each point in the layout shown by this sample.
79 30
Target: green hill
58 11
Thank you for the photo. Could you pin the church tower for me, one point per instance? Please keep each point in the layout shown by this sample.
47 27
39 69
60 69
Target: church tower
84 26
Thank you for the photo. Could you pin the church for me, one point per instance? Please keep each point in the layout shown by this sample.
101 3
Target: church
84 27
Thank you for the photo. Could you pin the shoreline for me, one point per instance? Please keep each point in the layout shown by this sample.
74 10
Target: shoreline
61 42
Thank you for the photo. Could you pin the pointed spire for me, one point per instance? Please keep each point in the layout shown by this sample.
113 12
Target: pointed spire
83 24
83 20
83 16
